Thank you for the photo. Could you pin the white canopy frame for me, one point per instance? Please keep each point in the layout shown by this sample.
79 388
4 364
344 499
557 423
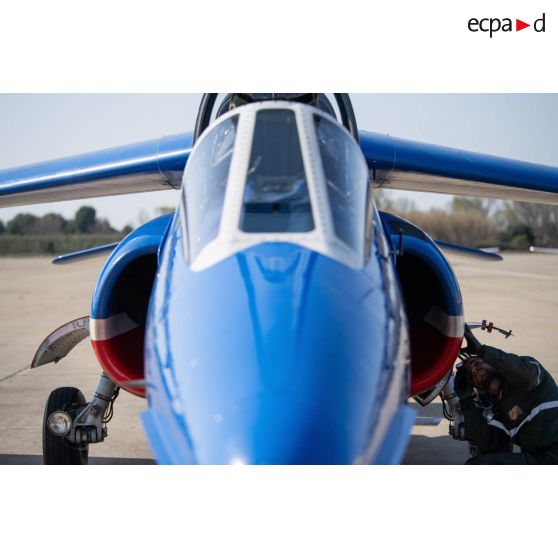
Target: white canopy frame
230 238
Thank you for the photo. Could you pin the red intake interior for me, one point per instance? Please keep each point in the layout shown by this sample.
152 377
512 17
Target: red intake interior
121 357
432 352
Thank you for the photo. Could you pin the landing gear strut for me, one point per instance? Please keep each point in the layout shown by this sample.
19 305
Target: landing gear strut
70 424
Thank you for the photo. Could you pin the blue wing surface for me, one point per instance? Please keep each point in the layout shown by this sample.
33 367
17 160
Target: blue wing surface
395 163
140 167
459 250
409 165
85 254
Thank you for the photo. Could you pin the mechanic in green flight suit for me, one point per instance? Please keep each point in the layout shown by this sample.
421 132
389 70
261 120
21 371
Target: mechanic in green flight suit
518 422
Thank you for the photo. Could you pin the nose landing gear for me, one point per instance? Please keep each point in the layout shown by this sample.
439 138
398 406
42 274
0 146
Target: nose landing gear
70 424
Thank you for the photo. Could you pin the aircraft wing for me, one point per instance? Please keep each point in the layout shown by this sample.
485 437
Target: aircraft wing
139 167
395 163
409 165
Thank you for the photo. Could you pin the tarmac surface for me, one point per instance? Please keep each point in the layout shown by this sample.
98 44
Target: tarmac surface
36 297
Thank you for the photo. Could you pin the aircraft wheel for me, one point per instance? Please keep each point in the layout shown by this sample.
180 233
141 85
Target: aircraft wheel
56 449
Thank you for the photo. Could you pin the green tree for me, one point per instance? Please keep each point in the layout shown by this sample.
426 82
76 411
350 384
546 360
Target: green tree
51 223
22 223
382 199
526 224
541 219
101 226
2 227
85 219
385 201
471 205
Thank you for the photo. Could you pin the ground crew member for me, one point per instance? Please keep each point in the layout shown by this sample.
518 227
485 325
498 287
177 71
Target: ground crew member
519 423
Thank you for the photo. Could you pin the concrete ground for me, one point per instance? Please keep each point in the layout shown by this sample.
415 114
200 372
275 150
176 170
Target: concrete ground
36 297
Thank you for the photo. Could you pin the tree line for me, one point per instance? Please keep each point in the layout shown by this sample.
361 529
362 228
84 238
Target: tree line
85 221
468 221
481 223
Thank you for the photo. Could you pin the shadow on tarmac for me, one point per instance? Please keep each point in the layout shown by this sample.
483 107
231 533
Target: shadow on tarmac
15 459
423 450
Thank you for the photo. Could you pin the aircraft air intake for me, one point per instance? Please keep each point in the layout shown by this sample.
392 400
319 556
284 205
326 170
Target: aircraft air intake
120 303
432 302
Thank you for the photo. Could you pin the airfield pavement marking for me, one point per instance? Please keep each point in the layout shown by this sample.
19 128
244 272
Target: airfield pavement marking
37 297
16 373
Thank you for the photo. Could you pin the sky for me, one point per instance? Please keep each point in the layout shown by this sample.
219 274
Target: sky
39 127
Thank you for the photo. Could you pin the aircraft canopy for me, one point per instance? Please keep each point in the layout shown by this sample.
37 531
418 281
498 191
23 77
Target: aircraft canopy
275 172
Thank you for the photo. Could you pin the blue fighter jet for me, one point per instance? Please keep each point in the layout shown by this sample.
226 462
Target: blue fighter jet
276 317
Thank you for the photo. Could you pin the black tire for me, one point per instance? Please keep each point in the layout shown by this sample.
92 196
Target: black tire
56 449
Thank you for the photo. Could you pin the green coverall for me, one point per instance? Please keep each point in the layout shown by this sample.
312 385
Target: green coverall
525 418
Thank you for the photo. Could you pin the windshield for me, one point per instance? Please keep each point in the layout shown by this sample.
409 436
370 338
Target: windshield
346 179
205 182
276 197
275 172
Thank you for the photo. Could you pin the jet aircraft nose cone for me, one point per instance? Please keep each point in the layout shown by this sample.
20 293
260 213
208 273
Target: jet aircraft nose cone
273 429
276 355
